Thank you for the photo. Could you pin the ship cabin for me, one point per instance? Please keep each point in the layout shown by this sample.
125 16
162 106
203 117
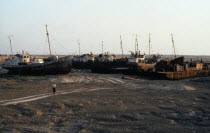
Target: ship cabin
84 58
136 58
25 57
106 57
18 59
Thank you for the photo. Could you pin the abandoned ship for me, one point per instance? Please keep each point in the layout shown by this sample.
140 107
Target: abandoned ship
26 65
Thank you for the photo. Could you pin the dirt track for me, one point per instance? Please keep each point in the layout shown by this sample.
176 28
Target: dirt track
87 102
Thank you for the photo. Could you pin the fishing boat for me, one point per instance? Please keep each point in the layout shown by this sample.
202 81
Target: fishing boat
177 68
109 63
84 61
139 63
24 64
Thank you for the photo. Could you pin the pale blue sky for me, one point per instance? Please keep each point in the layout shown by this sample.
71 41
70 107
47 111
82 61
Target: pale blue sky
94 21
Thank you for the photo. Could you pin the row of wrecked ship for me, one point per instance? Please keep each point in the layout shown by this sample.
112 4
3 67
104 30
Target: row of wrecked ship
152 66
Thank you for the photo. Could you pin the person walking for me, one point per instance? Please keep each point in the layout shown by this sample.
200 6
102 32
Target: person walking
54 87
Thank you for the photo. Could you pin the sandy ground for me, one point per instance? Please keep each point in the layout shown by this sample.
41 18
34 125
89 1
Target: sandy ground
97 103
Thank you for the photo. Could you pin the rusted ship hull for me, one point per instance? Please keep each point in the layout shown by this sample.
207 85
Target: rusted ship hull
109 67
176 75
81 65
145 66
186 74
121 67
136 68
59 67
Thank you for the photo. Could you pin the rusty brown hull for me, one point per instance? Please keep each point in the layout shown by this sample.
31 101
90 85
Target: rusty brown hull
145 67
186 74
176 75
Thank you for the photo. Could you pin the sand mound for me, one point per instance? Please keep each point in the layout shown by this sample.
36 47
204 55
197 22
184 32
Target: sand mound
67 80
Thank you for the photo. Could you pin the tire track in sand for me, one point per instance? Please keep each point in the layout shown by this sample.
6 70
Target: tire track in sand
22 98
113 80
42 96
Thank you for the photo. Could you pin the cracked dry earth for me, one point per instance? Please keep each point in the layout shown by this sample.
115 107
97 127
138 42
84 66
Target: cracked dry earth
97 103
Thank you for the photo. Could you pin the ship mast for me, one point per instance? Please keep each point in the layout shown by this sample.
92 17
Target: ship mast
79 47
149 43
48 39
172 39
121 45
136 45
102 47
10 42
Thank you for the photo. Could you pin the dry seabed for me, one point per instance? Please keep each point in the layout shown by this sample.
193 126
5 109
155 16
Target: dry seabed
87 102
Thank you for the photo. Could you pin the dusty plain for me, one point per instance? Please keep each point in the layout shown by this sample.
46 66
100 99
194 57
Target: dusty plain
86 102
